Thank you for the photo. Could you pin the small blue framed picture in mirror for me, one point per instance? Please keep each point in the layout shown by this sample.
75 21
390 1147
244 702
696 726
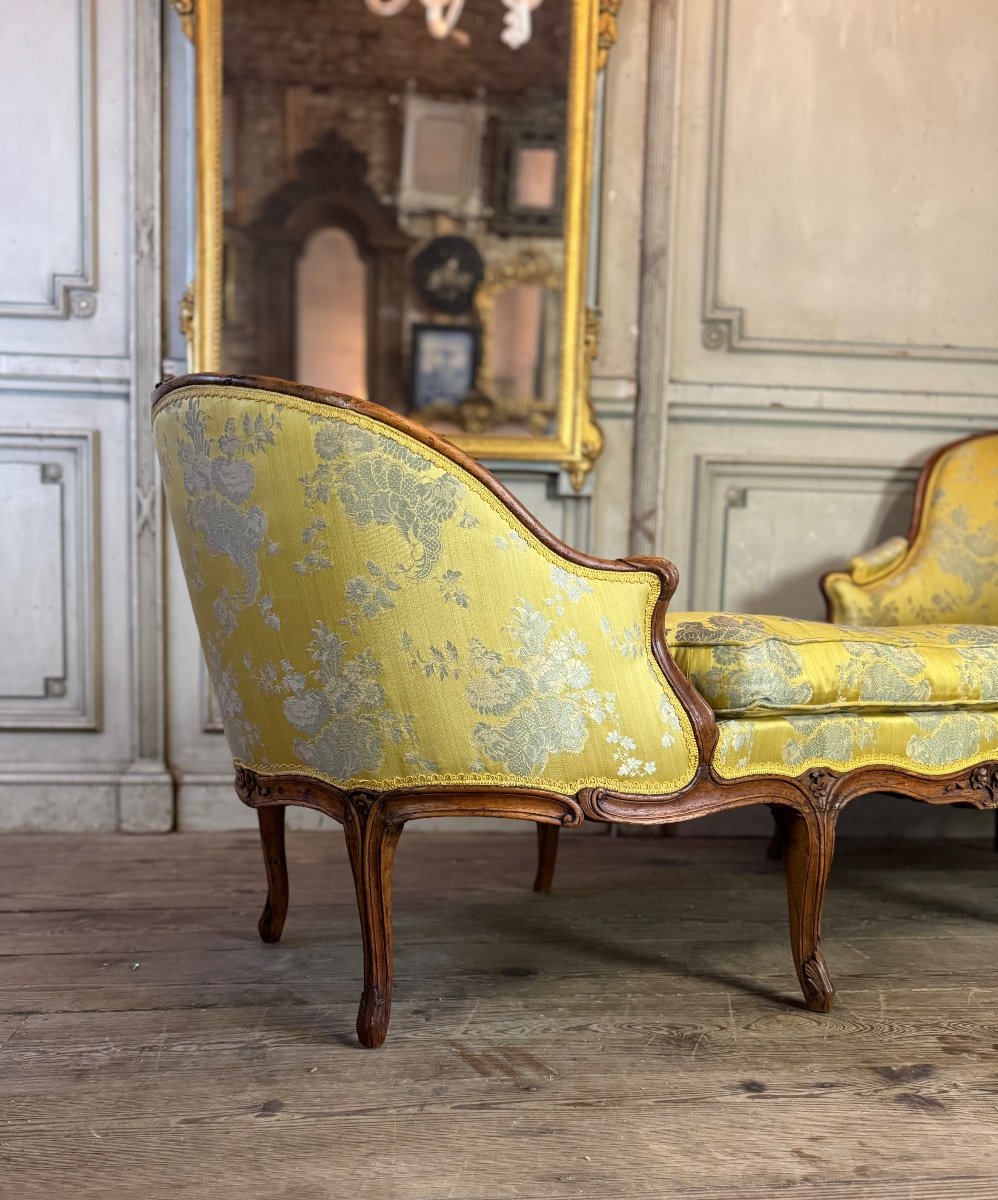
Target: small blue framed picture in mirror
444 363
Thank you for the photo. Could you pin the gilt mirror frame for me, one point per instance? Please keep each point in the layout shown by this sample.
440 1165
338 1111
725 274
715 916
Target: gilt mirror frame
575 440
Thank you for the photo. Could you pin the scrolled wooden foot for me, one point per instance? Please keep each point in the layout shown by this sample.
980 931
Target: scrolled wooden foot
271 923
371 841
808 848
547 852
819 993
372 1018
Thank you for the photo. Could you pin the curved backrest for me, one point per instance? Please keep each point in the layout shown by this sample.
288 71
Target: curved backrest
950 573
374 615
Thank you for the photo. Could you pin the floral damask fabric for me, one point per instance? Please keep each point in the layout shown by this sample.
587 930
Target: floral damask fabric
372 615
752 665
932 743
949 572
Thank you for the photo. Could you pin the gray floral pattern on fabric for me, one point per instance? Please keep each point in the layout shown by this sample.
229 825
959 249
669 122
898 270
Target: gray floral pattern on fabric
538 680
242 734
544 726
832 740
884 674
380 482
966 551
719 627
219 479
950 737
769 675
341 707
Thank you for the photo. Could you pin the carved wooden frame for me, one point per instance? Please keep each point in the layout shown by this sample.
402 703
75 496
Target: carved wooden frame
806 806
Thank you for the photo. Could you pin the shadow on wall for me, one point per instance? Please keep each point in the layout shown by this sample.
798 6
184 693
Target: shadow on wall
799 594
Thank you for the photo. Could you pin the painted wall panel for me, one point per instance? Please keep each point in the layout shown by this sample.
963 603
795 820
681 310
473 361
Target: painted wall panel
834 225
67 234
49 547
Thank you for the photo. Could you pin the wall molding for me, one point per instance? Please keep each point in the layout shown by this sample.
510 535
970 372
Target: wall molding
724 324
765 413
724 484
73 291
70 697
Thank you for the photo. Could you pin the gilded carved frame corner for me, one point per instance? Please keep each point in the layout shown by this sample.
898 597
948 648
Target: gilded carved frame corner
576 439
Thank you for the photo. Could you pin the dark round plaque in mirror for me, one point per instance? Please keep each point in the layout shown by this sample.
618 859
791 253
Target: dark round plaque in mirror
446 273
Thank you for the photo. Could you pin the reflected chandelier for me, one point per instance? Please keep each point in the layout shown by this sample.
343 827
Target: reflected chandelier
443 15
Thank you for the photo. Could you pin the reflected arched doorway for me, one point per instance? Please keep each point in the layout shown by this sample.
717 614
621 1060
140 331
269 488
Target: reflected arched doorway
331 306
328 194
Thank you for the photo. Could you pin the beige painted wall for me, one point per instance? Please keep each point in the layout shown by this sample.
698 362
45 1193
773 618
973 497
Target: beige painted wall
820 309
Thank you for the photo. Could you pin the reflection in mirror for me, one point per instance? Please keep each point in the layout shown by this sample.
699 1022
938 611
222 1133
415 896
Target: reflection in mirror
524 323
518 342
390 197
536 174
331 307
444 158
519 306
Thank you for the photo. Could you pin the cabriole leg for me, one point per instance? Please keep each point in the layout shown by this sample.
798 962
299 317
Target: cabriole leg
371 843
547 852
774 848
271 923
808 847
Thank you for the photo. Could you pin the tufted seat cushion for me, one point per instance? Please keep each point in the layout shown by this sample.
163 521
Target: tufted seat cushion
748 666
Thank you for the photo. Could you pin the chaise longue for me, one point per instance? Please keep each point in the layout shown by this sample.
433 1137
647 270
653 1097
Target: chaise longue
392 636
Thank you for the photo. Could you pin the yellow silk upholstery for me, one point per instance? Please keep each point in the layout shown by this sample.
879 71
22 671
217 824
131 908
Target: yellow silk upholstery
875 563
948 574
758 666
373 616
929 743
804 694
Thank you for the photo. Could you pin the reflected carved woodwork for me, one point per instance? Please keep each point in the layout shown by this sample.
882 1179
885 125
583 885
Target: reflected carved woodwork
185 11
329 188
607 37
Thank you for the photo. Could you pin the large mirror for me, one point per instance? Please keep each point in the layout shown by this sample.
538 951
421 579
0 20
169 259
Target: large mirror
394 201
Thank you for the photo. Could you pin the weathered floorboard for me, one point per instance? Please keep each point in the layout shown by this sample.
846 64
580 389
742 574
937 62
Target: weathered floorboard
638 1033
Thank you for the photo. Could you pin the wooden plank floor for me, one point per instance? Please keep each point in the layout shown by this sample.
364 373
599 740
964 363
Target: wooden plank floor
638 1033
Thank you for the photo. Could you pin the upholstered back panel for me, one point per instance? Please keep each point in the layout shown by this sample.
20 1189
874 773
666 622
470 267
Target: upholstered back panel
371 614
950 575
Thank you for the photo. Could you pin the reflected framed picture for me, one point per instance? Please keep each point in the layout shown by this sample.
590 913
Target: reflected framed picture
444 363
529 181
441 156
